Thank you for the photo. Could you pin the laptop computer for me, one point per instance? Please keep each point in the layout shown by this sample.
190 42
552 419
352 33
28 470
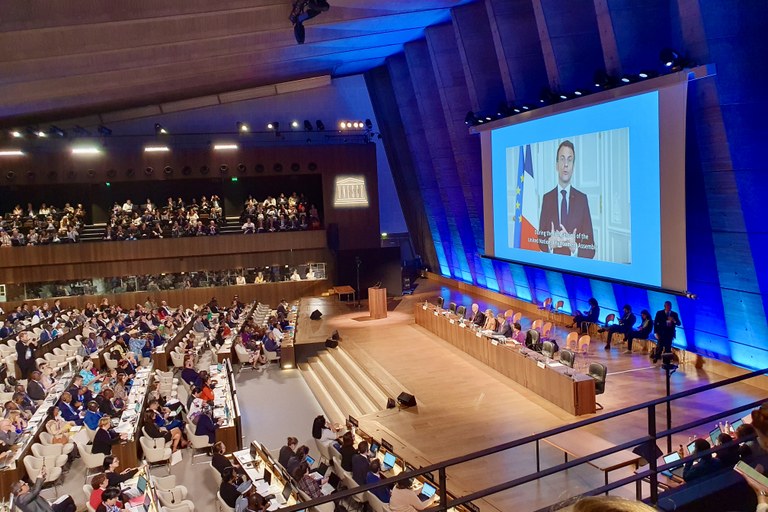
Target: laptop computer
389 461
691 447
310 461
736 424
374 448
427 491
141 485
714 434
677 470
282 498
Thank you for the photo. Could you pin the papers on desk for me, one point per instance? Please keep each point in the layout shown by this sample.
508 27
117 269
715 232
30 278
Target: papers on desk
555 364
327 489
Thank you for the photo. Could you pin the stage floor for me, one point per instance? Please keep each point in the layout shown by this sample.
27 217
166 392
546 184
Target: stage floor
464 406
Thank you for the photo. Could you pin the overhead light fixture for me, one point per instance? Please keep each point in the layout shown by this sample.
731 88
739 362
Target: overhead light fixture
577 92
104 131
274 125
11 152
307 125
86 150
55 130
343 125
243 127
603 80
294 124
648 74
320 126
368 124
41 134
160 130
669 57
16 134
224 147
156 149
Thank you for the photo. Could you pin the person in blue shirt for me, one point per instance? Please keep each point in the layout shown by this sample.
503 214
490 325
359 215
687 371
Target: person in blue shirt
92 415
373 476
68 411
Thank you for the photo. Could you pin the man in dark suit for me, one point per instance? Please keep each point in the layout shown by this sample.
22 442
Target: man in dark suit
565 224
626 322
664 328
477 317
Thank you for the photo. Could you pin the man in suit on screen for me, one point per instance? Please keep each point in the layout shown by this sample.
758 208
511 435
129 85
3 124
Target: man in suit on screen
565 224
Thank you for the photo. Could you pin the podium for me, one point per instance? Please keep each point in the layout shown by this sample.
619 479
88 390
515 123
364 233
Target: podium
377 302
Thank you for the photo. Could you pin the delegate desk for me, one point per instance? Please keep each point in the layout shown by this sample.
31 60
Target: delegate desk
578 443
131 419
225 406
255 461
571 391
12 470
344 290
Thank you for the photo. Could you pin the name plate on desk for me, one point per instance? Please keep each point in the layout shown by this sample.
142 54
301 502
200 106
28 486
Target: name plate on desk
424 308
479 334
541 364
435 313
494 342
462 325
452 321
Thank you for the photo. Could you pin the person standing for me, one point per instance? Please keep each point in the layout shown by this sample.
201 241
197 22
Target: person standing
664 327
565 224
25 351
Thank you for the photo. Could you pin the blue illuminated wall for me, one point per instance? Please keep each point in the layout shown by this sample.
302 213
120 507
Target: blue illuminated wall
513 48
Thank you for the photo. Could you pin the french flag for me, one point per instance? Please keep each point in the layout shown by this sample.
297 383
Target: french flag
529 224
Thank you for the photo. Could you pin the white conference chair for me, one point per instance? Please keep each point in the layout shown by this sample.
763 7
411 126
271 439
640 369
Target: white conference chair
87 490
34 465
155 451
197 442
90 459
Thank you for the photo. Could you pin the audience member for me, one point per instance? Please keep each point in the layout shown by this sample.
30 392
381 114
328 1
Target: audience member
590 316
373 476
705 464
105 437
28 499
405 499
287 451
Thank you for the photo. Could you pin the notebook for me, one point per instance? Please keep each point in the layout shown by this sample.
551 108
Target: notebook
677 470
389 461
427 491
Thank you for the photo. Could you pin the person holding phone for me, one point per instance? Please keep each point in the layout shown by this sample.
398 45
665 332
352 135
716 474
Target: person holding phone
705 464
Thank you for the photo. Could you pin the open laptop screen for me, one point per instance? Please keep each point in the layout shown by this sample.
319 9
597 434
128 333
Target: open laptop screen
389 459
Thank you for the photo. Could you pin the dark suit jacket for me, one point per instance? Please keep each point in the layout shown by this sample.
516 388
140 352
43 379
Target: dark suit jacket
35 390
479 318
578 218
660 327
103 441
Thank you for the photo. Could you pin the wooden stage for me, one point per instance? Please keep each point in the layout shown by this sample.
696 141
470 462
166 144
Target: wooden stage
464 406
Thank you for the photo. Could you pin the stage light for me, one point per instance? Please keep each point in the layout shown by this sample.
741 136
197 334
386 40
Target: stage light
469 119
628 79
108 184
55 130
242 127
577 92
547 97
160 130
294 124
86 150
156 149
368 124
307 125
648 74
224 147
320 126
41 134
563 96
274 125
603 81
16 134
104 131
669 57
11 152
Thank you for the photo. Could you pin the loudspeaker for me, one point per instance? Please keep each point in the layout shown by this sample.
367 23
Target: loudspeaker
335 336
316 314
391 403
406 399
331 343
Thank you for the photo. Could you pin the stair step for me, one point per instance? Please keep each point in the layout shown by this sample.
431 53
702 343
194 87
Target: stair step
329 407
364 381
335 390
347 382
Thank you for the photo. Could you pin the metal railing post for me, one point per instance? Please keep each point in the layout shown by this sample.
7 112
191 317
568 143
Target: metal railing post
538 464
443 489
652 454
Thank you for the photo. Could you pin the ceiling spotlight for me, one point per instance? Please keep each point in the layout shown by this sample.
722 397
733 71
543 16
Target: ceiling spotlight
547 97
577 92
343 125
55 130
628 79
156 149
79 131
320 126
603 81
16 134
669 57
307 125
274 125
41 134
648 74
294 124
242 127
469 119
160 130
563 96
368 124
